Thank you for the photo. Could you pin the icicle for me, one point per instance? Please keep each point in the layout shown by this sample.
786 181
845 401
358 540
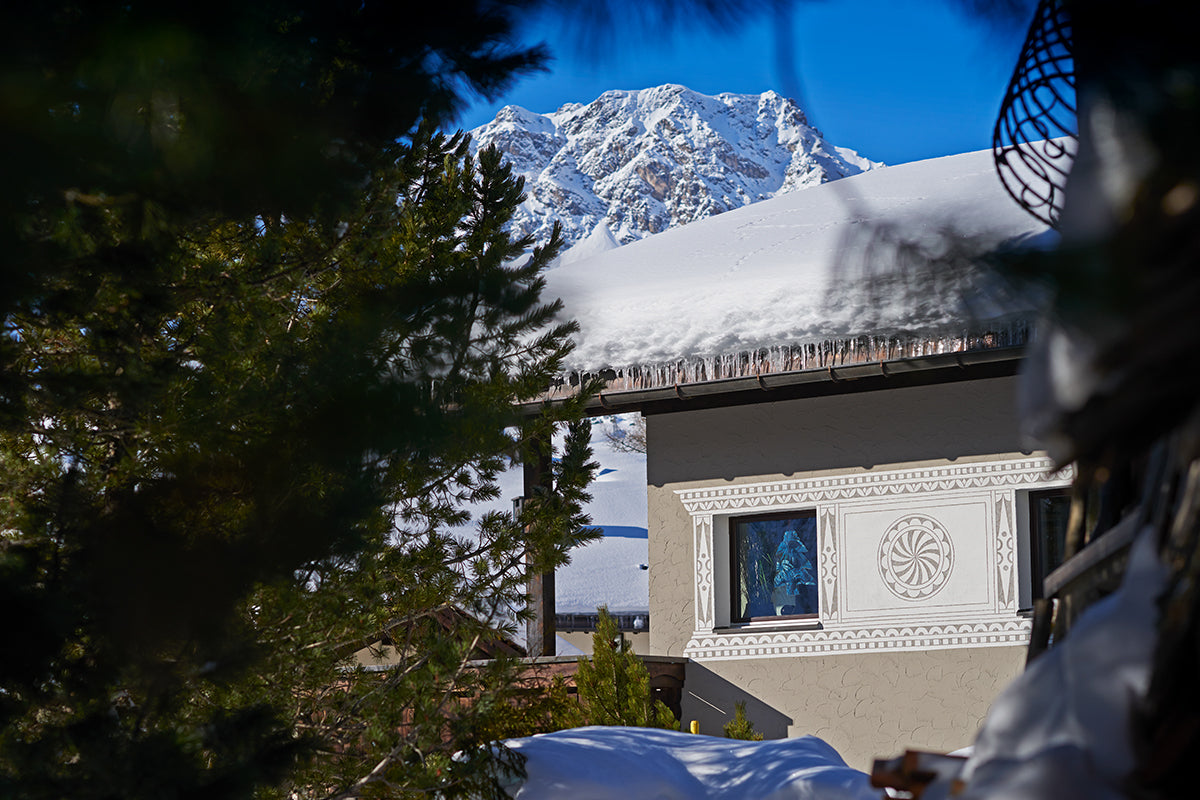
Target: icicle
808 355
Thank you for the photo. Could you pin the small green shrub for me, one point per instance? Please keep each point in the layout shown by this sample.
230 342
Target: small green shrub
614 687
740 727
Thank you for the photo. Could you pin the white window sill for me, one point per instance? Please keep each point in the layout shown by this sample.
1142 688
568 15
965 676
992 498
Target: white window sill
767 626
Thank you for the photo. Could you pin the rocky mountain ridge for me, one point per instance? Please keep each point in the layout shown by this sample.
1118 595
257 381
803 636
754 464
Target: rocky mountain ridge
633 163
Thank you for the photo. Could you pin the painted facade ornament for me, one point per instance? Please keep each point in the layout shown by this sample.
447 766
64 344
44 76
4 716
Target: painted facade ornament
915 557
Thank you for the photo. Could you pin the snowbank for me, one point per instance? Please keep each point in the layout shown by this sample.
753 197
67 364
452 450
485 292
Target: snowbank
614 763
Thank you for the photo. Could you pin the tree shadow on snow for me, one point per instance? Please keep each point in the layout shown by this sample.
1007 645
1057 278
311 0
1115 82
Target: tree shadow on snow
625 532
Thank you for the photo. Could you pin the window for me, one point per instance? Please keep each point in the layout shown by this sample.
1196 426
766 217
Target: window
774 566
1048 514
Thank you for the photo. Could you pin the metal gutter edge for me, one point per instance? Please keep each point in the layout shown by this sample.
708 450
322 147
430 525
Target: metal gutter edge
822 381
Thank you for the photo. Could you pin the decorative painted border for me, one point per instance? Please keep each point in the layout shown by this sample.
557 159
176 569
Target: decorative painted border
829 566
1006 549
725 646
1009 474
1004 627
704 571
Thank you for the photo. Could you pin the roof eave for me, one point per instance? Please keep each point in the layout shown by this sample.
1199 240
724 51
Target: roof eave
825 381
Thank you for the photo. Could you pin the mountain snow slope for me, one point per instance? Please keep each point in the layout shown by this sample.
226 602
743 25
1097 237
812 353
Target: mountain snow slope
633 163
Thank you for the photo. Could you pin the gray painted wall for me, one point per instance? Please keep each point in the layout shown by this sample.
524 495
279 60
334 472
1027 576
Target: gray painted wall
866 705
869 429
869 705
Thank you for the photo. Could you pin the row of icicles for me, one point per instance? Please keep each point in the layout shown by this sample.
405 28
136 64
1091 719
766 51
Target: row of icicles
790 358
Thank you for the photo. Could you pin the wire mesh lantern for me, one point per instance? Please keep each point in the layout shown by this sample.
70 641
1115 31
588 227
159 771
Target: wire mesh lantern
1035 139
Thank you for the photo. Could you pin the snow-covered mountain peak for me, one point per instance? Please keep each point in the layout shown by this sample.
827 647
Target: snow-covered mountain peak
517 117
640 161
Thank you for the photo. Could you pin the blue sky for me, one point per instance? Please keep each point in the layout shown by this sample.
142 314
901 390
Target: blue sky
897 80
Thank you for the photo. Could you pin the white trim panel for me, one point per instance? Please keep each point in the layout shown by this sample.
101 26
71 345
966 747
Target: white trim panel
968 513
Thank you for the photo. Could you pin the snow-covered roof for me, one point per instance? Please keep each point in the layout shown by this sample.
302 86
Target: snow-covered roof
803 278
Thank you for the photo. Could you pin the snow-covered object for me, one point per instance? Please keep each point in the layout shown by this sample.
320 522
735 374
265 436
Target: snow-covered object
615 763
1061 730
600 240
1057 378
1063 372
801 275
643 161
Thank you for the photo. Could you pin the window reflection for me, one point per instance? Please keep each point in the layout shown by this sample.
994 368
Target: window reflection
774 566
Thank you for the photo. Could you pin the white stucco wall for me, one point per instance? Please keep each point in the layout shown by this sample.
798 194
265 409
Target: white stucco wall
885 667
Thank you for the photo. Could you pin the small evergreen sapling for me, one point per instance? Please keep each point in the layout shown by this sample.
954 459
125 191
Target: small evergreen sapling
614 686
740 727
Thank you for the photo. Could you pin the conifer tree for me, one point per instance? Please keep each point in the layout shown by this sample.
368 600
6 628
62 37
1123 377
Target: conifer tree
614 686
262 342
219 487
740 727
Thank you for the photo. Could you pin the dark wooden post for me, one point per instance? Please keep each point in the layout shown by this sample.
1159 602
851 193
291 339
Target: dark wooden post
539 629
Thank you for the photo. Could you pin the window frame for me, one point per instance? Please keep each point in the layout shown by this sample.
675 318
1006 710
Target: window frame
732 525
1037 555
